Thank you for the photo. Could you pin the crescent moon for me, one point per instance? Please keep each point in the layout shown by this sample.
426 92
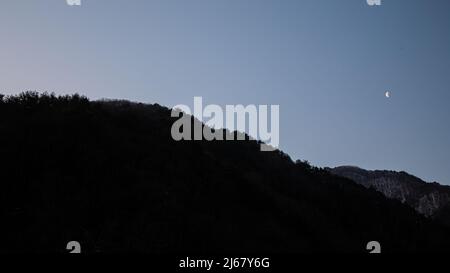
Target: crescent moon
387 94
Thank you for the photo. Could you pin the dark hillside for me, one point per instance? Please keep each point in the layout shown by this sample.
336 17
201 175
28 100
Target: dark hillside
109 175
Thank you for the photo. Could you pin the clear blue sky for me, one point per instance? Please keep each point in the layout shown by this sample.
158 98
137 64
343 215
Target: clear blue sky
327 63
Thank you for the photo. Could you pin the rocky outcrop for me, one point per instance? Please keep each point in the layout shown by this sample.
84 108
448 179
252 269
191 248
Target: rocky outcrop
426 198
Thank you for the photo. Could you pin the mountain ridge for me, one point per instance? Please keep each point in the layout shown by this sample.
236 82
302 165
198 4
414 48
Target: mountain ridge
108 175
428 198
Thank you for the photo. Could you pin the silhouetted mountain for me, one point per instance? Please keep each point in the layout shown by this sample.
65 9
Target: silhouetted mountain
109 175
427 198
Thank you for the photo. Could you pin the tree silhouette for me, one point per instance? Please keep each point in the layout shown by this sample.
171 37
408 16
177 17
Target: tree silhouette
109 175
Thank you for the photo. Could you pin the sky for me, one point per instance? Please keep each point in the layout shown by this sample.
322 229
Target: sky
327 63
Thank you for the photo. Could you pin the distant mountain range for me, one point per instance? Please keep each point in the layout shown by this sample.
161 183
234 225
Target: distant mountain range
429 199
